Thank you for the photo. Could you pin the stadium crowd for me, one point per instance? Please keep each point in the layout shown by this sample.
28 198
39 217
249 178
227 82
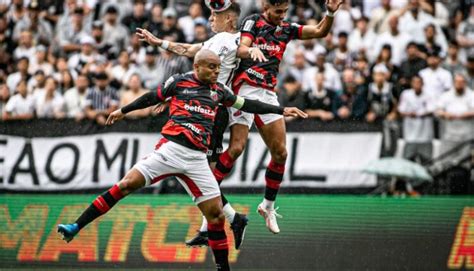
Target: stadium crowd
410 60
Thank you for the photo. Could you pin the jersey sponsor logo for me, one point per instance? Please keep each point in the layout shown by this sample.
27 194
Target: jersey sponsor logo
255 73
199 109
248 25
268 47
223 51
191 127
187 91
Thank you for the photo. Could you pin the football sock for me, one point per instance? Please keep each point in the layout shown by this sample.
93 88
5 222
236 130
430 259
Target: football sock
100 206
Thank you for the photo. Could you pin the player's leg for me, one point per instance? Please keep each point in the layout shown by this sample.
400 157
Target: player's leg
274 136
212 210
132 181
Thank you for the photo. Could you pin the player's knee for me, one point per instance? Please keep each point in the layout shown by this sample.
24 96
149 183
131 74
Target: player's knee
280 154
217 217
128 185
235 150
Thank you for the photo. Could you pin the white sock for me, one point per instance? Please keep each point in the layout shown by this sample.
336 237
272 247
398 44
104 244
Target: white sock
268 204
203 225
229 213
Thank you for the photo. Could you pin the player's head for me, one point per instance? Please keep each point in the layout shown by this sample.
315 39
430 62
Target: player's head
225 20
207 66
275 10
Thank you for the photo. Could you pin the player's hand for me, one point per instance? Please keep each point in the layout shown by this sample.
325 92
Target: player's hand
257 55
333 5
146 36
115 116
294 112
160 108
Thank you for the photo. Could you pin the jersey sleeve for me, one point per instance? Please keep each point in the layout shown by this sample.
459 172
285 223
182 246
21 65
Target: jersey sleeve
167 89
228 98
248 27
296 31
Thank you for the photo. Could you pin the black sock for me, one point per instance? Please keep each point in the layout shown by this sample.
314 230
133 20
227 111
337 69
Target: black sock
219 246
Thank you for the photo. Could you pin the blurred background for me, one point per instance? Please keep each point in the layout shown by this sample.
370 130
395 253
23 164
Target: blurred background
393 81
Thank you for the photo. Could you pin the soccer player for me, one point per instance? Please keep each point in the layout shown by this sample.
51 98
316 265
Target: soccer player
182 150
256 79
223 20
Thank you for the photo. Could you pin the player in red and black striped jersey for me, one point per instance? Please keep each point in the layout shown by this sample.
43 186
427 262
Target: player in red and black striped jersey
256 79
194 98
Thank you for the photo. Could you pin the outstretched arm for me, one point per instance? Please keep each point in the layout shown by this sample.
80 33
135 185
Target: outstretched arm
144 101
256 107
183 49
322 29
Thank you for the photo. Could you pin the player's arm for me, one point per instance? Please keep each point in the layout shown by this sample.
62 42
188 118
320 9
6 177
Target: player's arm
322 29
148 99
257 107
183 49
246 50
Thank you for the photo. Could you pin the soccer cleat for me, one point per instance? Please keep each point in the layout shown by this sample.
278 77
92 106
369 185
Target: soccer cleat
238 228
270 218
199 240
68 231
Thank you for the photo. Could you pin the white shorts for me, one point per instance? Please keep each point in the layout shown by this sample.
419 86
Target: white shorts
254 93
189 166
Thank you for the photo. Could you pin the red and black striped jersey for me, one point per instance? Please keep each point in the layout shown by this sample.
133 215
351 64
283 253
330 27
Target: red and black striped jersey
192 109
272 41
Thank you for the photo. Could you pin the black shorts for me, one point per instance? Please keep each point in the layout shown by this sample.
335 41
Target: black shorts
220 124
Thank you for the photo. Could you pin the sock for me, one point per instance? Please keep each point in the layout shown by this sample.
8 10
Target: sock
218 244
203 225
101 205
223 166
229 213
268 204
273 179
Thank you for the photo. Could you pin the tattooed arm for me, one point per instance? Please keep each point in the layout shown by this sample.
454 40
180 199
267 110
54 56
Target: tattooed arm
183 49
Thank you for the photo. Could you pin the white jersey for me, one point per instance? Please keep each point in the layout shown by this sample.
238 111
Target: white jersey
225 45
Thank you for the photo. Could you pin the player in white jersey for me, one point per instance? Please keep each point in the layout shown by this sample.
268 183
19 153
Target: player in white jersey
224 43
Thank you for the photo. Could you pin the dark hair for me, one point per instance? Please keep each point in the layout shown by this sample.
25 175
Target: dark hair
235 8
417 76
277 2
289 79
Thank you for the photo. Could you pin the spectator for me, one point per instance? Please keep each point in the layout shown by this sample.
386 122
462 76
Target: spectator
138 18
21 74
25 46
156 18
415 20
470 72
21 105
452 63
411 66
341 57
121 71
298 67
75 98
82 62
16 12
331 75
343 19
320 100
149 70
379 19
103 46
168 64
40 28
4 96
385 59
49 102
398 42
465 35
436 79
417 108
36 82
136 51
200 32
380 96
69 36
362 70
435 40
39 62
352 102
292 94
456 109
188 23
66 81
169 27
362 38
101 99
115 33
134 91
